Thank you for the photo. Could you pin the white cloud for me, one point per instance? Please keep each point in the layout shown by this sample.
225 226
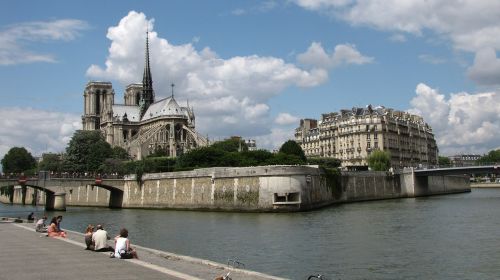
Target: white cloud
230 95
14 38
469 25
343 54
286 119
37 130
275 139
463 123
486 68
322 4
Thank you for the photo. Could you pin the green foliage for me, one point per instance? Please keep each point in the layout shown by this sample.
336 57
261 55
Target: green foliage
379 161
18 160
159 153
255 158
234 144
149 165
119 153
444 161
51 162
158 164
87 151
200 157
291 147
285 159
491 158
113 165
325 162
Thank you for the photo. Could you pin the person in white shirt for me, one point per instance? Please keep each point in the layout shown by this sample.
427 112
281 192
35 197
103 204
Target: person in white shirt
40 225
100 239
123 250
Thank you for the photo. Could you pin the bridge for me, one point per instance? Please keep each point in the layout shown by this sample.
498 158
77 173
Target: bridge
57 189
487 169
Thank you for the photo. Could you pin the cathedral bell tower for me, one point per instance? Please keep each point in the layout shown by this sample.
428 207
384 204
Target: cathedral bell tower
148 95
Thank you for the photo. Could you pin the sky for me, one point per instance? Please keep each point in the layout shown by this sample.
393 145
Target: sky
254 68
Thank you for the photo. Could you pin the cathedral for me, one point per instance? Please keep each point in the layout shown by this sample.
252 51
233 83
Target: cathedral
141 125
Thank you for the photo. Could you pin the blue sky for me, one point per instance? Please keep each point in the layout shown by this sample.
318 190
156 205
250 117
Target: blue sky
254 68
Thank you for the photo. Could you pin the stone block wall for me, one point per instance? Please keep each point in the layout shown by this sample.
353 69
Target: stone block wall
358 186
261 189
87 195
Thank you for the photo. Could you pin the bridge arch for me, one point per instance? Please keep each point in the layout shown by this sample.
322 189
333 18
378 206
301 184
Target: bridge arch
115 197
8 190
57 190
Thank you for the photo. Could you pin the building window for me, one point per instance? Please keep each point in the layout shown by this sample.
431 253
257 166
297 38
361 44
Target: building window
97 102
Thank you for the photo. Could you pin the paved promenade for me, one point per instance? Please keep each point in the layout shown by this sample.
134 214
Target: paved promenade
27 254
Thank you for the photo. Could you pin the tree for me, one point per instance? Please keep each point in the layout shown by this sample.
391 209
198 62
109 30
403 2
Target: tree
379 160
120 153
200 157
291 147
285 159
159 153
491 158
325 162
86 151
444 161
233 144
18 160
50 162
255 158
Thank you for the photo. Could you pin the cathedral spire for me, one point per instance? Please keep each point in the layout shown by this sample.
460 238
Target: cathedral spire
148 96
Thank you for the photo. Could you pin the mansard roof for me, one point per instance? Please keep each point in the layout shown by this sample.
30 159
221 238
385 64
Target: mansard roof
165 107
132 112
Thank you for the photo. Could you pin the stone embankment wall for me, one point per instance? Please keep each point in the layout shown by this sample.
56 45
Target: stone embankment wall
360 186
264 188
267 188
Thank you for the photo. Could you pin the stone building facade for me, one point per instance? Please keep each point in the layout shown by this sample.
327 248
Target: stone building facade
351 135
141 125
464 160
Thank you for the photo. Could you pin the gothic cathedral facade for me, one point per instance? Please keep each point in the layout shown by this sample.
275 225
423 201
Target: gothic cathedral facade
141 125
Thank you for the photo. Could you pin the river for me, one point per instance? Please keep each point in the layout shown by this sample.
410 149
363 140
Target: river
440 237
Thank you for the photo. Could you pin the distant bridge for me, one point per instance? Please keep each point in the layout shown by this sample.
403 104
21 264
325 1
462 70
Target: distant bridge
493 169
55 189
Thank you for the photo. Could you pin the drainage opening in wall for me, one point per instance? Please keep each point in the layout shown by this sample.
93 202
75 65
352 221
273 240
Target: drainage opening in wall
286 198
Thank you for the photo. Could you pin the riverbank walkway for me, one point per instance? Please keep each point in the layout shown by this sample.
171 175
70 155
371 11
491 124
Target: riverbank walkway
27 255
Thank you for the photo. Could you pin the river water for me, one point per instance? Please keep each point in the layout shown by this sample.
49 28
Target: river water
440 237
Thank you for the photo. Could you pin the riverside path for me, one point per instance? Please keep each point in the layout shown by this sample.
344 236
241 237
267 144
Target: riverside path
27 254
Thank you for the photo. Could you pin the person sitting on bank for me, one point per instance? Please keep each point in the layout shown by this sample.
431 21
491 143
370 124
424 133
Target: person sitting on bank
89 231
40 225
123 250
52 229
58 224
100 239
31 217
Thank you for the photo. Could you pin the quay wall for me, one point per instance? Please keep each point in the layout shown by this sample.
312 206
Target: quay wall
257 189
267 188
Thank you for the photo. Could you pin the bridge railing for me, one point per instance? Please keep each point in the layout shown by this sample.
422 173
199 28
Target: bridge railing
62 175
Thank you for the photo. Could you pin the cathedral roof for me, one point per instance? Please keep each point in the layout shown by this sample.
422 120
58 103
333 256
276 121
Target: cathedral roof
132 112
165 107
